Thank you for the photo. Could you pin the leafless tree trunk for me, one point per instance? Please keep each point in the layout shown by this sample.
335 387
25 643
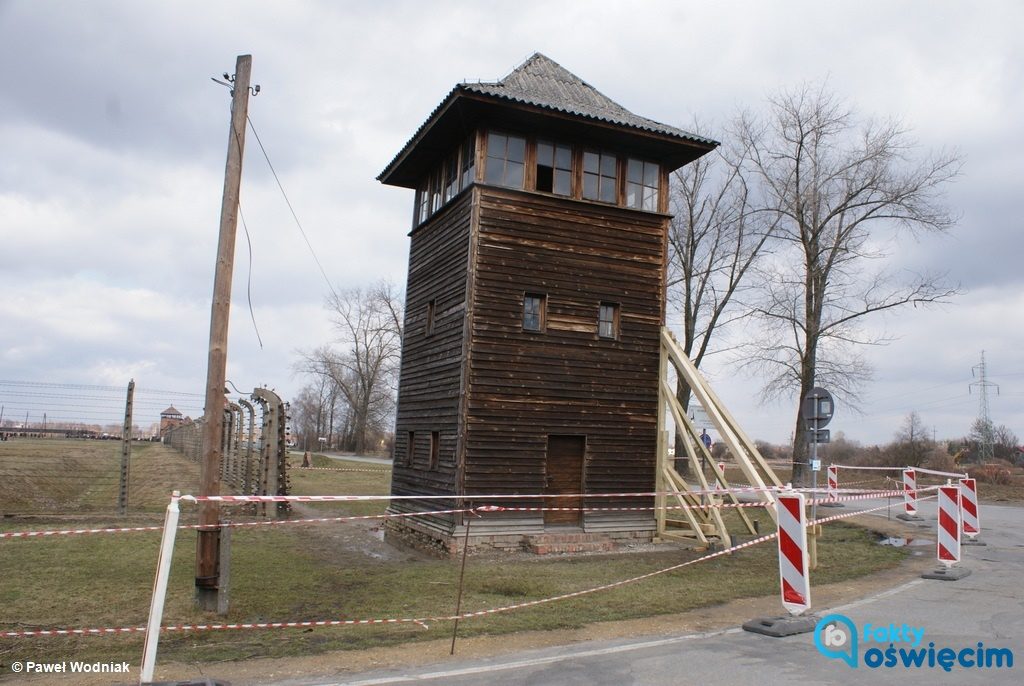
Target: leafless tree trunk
714 241
364 366
839 191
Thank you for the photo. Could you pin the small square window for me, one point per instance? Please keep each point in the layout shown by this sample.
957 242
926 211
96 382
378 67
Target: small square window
506 157
533 312
600 176
435 449
608 321
554 168
642 185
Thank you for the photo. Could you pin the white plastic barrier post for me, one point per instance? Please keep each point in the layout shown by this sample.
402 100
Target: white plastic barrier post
910 491
156 607
969 507
793 560
833 483
948 545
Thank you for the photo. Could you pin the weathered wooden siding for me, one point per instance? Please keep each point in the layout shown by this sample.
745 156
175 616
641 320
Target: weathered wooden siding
431 373
523 386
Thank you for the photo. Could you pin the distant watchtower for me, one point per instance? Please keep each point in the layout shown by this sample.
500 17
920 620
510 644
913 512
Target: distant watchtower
170 419
534 304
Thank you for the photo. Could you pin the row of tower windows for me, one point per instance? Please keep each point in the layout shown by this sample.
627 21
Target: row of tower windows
546 166
535 316
554 163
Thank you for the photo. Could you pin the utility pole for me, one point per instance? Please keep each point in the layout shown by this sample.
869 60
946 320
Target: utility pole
208 539
986 451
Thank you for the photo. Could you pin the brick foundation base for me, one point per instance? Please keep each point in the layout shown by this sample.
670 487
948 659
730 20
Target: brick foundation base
406 533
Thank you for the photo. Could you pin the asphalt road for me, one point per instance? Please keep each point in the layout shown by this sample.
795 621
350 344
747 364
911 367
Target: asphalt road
369 459
986 607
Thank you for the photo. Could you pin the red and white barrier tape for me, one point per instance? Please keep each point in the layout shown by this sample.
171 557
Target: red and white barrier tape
69 532
859 467
206 527
854 513
859 495
855 494
950 475
355 622
422 621
342 469
503 496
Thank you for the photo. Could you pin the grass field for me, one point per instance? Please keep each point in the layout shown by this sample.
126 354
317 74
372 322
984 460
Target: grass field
311 572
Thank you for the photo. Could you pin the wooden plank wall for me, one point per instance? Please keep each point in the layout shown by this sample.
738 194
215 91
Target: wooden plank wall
429 389
524 386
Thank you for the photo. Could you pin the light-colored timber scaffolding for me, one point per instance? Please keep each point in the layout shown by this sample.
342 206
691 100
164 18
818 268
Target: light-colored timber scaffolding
695 513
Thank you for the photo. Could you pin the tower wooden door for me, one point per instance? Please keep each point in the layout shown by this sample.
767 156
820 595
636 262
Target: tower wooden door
563 474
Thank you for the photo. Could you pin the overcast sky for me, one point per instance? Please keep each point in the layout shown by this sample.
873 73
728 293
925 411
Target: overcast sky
113 137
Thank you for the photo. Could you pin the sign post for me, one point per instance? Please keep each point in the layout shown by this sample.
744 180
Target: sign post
817 411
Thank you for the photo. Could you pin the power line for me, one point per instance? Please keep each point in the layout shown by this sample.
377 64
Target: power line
248 283
88 387
291 209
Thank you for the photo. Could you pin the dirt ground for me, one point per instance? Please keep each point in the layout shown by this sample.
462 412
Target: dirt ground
340 663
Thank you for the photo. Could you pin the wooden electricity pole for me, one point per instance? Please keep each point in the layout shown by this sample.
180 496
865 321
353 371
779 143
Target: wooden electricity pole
208 539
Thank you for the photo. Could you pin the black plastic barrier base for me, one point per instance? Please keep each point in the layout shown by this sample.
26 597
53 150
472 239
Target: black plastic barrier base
947 573
777 627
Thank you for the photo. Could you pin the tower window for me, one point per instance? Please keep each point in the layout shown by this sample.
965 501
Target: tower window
642 185
410 448
451 177
506 158
554 168
423 201
608 320
435 190
435 449
533 312
429 327
600 176
468 174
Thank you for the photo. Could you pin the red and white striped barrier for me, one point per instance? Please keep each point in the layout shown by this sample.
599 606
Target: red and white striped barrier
969 507
793 559
948 544
833 482
910 491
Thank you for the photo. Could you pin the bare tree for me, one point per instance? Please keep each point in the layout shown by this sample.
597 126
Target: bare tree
364 365
840 191
912 444
313 412
714 240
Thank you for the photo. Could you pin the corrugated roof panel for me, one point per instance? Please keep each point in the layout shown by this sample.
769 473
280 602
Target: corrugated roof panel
542 82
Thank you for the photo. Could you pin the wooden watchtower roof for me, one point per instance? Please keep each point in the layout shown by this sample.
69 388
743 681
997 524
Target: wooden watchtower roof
540 93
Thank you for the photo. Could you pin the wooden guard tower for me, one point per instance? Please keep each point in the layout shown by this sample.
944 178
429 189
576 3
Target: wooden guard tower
534 308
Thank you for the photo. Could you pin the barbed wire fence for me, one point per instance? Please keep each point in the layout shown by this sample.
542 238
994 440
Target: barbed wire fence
254 451
64 447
